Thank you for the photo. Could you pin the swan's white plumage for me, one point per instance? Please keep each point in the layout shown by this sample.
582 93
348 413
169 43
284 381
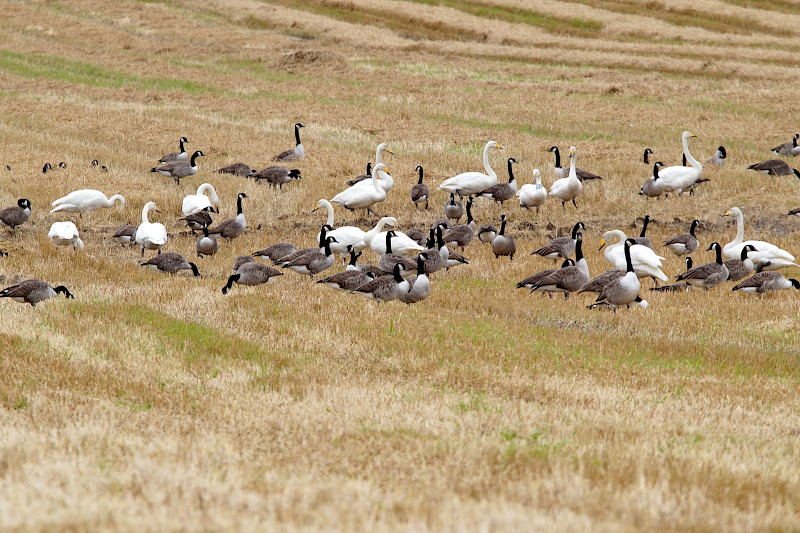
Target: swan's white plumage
679 178
361 197
469 183
65 234
195 203
569 188
85 201
150 235
767 255
644 260
344 235
532 194
401 243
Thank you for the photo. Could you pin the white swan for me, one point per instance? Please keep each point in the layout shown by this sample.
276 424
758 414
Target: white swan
469 183
65 234
568 188
646 263
767 255
346 236
532 194
197 202
152 236
360 197
85 201
680 178
402 244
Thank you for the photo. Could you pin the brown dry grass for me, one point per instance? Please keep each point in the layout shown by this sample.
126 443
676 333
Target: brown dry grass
152 402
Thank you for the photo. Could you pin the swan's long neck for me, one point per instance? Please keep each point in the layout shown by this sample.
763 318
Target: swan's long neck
572 173
538 181
375 183
739 228
486 164
115 198
692 161
208 188
145 212
329 208
385 177
379 154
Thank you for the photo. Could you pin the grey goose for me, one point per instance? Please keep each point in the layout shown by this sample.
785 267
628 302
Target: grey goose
237 169
625 289
417 235
298 152
707 275
653 188
125 234
560 246
419 286
419 191
232 227
352 278
362 177
560 172
788 148
596 284
462 234
196 221
502 244
251 273
33 291
763 282
718 159
453 208
676 287
276 175
384 288
568 279
172 157
774 167
684 244
487 232
642 239
647 152
741 267
171 263
206 245
16 215
303 251
178 170
388 260
276 251
501 192
314 262
530 281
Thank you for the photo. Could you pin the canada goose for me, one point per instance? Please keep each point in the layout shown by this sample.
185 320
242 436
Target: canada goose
645 261
384 288
85 201
469 183
676 287
125 234
176 156
277 251
560 246
677 178
276 175
597 284
641 239
419 286
788 148
684 244
242 259
194 203
152 236
286 259
761 283
774 167
531 281
362 177
567 279
462 235
8 168
487 232
455 259
718 159
767 255
647 152
795 212
364 195
251 273
314 262
559 172
171 263
503 244
707 275
232 227
33 291
16 215
3 254
442 221
566 189
298 152
46 167
179 169
352 278
453 208
206 245
417 235
388 260
346 236
623 290
500 192
65 234
532 194
237 169
653 187
701 180
420 192
197 220
436 260
742 267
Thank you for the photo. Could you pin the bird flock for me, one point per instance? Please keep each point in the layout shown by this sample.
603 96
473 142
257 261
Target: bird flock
406 260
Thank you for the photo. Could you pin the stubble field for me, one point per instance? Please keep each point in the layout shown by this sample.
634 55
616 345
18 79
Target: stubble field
153 402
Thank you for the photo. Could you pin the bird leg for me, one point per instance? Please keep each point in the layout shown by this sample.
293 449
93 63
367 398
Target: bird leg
573 203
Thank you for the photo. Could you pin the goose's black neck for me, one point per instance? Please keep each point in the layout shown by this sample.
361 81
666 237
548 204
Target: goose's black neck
396 272
353 257
205 230
322 233
194 269
554 149
439 238
655 170
420 174
510 170
683 160
297 133
182 148
328 246
718 250
452 199
389 236
231 280
794 141
194 157
575 229
239 205
746 250
420 266
647 156
502 227
644 226
469 213
62 289
693 227
628 263
431 239
578 249
689 263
